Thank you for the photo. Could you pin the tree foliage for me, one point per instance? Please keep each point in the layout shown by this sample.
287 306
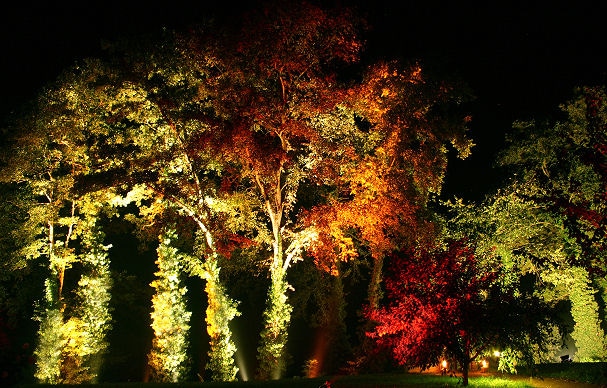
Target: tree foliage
574 186
170 317
445 303
571 191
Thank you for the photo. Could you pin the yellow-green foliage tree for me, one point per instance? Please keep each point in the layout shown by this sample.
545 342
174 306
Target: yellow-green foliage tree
162 109
547 228
50 159
562 167
168 358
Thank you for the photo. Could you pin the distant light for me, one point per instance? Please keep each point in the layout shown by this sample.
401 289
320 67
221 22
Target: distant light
497 353
444 364
484 364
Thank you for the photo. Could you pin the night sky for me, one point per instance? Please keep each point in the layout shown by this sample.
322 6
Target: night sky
521 58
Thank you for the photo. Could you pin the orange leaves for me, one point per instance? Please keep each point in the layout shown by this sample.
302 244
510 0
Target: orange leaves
365 179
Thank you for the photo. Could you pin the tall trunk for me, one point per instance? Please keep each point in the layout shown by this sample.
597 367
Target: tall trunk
271 352
220 312
375 282
170 318
94 293
221 309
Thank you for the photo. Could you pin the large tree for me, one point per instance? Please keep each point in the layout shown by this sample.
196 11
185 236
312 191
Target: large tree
560 168
277 76
161 108
389 152
51 156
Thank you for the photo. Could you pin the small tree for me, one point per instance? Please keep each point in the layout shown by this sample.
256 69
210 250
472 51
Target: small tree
445 304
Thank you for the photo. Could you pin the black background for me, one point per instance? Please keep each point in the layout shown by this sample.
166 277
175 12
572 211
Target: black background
521 58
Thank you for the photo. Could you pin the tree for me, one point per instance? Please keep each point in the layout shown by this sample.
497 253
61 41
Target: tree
389 156
52 155
170 318
572 189
444 303
528 244
161 109
271 86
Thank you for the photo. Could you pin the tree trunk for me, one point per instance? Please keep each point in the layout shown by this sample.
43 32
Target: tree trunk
277 315
465 368
220 312
375 283
466 360
94 292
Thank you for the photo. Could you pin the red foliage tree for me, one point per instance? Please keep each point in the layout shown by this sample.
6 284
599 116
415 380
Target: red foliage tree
439 304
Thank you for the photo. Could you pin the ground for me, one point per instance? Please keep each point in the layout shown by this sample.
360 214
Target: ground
538 382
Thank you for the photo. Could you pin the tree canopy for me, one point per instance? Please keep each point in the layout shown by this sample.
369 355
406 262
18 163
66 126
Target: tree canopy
270 146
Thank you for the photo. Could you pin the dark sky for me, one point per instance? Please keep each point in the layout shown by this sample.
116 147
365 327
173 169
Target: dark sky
522 58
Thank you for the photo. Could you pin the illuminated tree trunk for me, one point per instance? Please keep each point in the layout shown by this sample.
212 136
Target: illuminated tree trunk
94 296
587 332
51 333
170 319
221 309
50 336
465 357
277 315
220 312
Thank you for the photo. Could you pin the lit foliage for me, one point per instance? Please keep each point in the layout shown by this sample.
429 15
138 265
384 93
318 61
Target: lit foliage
94 294
170 318
445 303
387 153
221 309
571 190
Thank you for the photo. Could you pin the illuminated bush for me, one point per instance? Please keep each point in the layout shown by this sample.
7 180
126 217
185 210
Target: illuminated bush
170 319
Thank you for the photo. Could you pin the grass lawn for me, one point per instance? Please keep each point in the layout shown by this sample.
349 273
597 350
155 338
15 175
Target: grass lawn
359 381
565 374
588 372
